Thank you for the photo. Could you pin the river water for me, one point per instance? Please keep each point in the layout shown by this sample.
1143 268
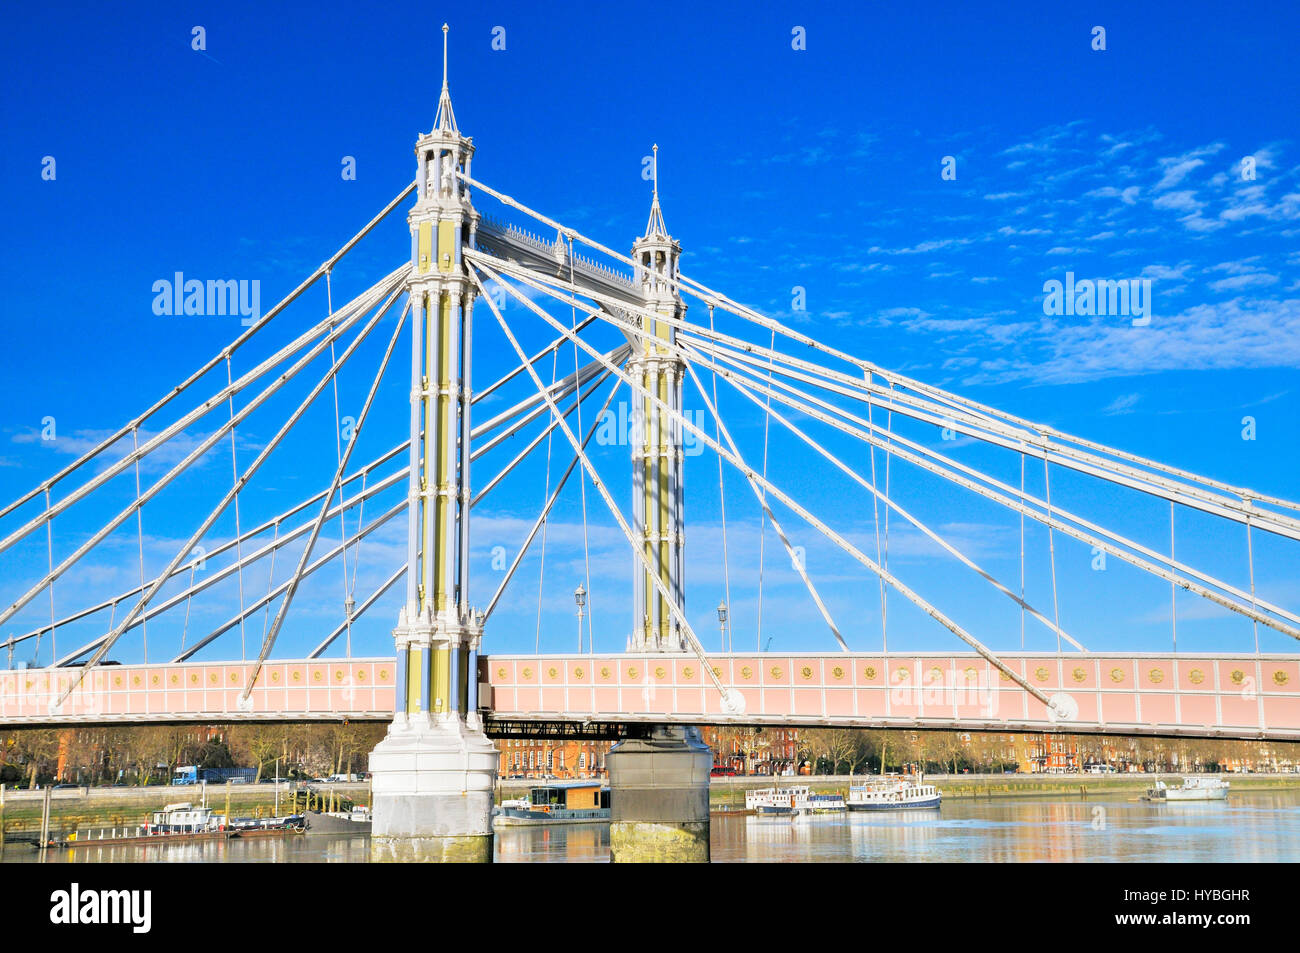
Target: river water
1263 826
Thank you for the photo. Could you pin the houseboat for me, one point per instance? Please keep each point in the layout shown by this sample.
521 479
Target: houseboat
792 800
180 821
561 802
1192 789
893 793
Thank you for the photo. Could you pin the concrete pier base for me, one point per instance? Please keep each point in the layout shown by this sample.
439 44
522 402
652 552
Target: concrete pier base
433 782
659 798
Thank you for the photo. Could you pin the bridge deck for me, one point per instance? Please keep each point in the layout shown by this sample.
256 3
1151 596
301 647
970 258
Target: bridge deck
1229 695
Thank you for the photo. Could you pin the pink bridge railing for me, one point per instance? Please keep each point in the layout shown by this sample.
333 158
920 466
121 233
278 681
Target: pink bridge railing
1243 696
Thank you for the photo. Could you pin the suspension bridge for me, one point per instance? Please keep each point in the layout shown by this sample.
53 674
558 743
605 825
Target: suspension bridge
634 324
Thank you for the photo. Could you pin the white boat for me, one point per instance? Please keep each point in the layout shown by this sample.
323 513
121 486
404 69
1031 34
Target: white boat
893 793
792 800
1192 789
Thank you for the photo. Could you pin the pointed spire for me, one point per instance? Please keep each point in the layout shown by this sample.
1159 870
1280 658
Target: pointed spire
656 226
446 121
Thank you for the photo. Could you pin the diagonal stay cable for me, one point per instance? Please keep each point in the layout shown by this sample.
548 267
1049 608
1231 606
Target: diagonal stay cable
790 502
269 641
212 517
731 700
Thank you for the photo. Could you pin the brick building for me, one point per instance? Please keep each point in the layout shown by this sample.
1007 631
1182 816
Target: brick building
540 757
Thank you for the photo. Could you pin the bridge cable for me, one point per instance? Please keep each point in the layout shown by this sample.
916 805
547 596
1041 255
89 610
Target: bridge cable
798 564
762 500
875 518
1173 590
1250 559
250 534
747 389
229 349
1051 547
139 530
731 701
990 414
722 502
185 628
546 431
1011 503
338 457
270 578
729 697
359 611
200 450
49 549
234 479
550 501
537 281
350 603
889 442
582 477
546 489
212 516
1281 524
214 578
383 519
1022 550
269 642
759 383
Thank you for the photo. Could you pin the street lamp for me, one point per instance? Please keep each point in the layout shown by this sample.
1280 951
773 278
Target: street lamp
722 623
580 597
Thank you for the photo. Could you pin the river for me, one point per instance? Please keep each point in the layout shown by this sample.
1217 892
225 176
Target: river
1248 827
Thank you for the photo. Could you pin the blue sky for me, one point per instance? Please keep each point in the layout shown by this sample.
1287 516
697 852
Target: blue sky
817 168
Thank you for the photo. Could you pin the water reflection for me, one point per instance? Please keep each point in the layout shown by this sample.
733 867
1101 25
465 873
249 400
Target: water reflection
1254 827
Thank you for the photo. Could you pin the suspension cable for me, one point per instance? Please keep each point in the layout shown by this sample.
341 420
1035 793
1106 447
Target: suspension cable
49 549
1173 589
1022 550
234 479
762 502
582 477
875 517
728 640
546 489
1250 558
1051 547
338 459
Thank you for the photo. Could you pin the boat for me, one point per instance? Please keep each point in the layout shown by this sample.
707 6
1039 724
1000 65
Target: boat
356 821
180 821
561 802
894 793
1192 789
792 800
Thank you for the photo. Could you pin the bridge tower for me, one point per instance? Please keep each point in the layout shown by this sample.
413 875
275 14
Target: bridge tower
434 773
659 783
657 499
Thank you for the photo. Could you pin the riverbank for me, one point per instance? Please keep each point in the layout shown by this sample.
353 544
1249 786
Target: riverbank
729 793
86 807
71 808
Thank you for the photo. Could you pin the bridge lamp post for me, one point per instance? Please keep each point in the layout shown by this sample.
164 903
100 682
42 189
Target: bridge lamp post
580 597
722 623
